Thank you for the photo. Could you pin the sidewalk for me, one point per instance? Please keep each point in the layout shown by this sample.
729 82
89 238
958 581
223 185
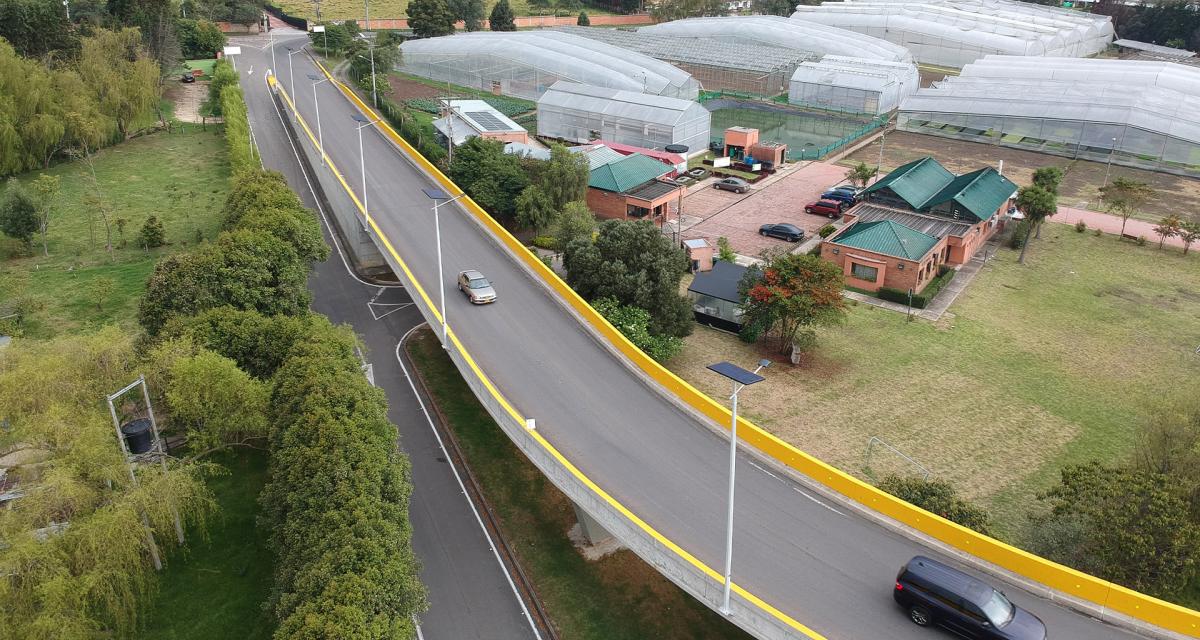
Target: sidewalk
1109 223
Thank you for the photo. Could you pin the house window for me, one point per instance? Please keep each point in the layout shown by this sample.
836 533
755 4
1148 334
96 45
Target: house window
863 272
835 251
900 266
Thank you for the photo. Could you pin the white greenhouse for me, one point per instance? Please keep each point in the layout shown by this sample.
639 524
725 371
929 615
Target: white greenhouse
953 33
1136 113
777 31
524 64
581 113
853 85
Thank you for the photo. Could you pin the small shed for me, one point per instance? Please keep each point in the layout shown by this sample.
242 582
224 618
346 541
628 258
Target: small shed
466 119
699 254
715 299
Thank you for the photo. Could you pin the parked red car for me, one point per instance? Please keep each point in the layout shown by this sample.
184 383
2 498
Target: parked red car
827 208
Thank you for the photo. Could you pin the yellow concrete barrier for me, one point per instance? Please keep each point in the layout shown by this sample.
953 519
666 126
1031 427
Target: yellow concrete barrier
1056 576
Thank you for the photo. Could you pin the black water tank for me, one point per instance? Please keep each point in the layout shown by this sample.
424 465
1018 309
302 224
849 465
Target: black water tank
138 436
676 148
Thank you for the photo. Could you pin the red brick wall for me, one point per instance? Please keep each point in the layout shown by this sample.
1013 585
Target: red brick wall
528 21
914 275
606 204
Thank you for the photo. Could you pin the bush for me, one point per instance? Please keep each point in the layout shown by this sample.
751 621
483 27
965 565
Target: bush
725 251
938 497
152 234
550 243
242 154
1097 232
922 299
633 323
1141 241
1016 238
1081 226
223 76
826 231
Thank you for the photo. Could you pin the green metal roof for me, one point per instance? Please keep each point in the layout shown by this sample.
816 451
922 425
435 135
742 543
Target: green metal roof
980 192
627 173
915 182
889 238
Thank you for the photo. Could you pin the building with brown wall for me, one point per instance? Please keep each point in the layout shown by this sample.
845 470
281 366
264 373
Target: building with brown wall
885 253
630 188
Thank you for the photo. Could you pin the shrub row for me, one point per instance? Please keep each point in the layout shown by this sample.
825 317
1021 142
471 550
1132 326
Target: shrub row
919 300
259 262
420 136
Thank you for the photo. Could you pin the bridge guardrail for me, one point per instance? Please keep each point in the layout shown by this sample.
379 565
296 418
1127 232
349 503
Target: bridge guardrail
1105 595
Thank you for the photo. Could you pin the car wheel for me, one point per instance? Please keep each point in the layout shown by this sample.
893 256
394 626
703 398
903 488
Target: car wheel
716 186
808 210
741 191
833 216
920 616
763 233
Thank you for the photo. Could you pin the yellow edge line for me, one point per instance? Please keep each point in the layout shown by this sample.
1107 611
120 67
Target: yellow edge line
643 525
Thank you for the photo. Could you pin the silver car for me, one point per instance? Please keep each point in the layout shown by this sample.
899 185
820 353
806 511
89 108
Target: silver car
736 185
477 287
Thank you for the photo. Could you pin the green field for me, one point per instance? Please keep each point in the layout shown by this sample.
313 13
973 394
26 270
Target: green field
217 587
181 177
1036 366
616 598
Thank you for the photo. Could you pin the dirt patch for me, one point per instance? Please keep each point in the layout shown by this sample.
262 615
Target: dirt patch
406 89
1081 185
188 99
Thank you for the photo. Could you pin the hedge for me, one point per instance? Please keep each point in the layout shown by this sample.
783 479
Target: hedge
242 154
919 300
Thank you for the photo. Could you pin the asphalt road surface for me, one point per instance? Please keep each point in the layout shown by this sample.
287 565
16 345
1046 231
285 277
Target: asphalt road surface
824 566
469 592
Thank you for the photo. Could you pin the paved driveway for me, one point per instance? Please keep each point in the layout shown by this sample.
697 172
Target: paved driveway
738 217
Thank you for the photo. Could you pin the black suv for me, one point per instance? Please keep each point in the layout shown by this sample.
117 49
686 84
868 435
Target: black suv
934 593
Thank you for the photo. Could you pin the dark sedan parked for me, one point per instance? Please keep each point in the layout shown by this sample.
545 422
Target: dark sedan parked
783 231
847 199
827 208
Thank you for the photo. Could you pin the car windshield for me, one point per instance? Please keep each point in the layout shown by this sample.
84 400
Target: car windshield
478 283
998 609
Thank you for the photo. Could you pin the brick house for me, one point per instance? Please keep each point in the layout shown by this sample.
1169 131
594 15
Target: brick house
630 188
924 194
916 219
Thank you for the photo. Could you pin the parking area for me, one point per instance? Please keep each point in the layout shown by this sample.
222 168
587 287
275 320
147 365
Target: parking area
710 213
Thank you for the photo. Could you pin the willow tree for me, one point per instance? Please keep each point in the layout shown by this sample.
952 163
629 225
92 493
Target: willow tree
74 563
123 78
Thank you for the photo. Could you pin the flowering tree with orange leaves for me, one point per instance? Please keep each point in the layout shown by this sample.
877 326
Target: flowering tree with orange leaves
790 294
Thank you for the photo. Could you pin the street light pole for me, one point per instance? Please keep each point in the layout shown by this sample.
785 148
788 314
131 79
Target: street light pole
741 378
371 51
316 80
292 76
440 198
363 162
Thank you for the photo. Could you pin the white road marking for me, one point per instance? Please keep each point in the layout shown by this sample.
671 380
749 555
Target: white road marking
795 488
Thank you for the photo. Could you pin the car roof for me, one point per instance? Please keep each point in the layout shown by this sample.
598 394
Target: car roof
828 202
471 274
930 570
786 224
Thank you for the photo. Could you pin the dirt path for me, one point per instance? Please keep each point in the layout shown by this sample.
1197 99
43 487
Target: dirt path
188 100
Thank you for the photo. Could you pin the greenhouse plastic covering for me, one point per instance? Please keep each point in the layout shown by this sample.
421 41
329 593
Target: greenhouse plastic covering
717 65
525 63
777 31
954 33
1137 113
1156 49
853 85
581 113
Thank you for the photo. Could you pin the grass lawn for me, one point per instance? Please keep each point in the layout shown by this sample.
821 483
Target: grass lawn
180 177
618 597
1035 367
205 65
217 587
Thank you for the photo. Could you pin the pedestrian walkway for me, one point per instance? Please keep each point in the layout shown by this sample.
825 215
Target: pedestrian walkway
1109 223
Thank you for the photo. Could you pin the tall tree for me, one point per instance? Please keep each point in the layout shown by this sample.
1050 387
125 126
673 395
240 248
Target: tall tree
534 209
583 20
789 294
493 178
470 12
430 18
502 18
1124 196
667 10
36 28
46 188
564 177
1037 204
1168 227
18 213
1048 178
634 263
860 174
574 223
774 7
216 402
1121 524
124 80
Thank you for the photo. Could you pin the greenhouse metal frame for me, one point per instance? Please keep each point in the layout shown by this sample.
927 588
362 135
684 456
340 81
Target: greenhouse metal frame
776 31
524 64
853 85
1135 113
717 65
582 113
954 34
